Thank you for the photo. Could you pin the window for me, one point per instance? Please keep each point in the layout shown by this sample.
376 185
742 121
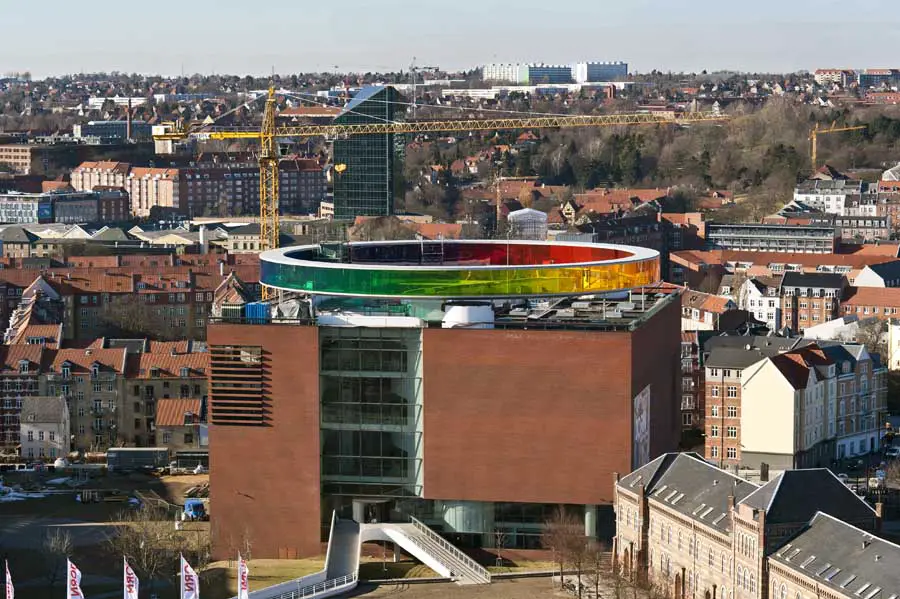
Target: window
714 411
31 435
52 436
714 452
714 391
726 373
686 419
189 438
40 435
732 391
732 432
731 453
714 431
167 437
732 411
713 372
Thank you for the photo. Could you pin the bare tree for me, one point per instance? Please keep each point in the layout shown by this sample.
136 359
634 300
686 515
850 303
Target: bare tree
148 539
56 547
871 335
500 539
131 316
597 570
564 535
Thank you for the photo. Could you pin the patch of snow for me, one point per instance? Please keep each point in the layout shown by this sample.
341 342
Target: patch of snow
58 481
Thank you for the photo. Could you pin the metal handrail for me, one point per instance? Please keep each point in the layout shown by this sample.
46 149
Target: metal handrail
446 545
320 587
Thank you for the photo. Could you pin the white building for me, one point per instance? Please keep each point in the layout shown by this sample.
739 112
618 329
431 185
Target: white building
835 196
44 424
759 296
513 73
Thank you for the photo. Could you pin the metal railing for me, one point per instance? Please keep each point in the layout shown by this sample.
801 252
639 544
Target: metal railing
477 569
320 587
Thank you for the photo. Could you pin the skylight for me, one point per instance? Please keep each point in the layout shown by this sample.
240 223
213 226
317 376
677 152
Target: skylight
719 519
808 561
850 579
706 513
696 511
833 574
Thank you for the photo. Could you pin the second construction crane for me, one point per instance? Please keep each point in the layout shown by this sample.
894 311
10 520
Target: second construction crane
814 139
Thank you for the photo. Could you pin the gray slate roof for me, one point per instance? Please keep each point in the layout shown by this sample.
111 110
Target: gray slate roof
795 496
42 409
817 280
844 559
16 235
889 271
688 484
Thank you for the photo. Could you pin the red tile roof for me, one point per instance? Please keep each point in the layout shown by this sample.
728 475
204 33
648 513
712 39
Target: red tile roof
51 333
81 360
167 364
11 355
873 296
170 412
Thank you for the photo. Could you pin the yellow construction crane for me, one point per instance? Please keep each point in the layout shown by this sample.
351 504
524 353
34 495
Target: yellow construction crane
269 133
817 131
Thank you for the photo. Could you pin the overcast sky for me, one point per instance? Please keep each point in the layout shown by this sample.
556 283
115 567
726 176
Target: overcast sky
248 36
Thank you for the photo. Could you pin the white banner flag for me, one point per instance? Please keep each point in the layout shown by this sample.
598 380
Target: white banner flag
243 578
190 582
131 582
73 582
10 592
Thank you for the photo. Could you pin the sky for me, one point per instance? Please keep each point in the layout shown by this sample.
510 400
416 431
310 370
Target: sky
52 37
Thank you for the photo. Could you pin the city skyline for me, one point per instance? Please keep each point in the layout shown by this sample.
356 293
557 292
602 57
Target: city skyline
648 35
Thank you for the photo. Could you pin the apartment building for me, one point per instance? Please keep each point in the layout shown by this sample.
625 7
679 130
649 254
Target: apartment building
92 383
20 369
161 372
693 530
841 77
792 403
692 382
44 428
808 299
832 195
886 274
815 239
868 302
703 311
761 297
206 189
179 423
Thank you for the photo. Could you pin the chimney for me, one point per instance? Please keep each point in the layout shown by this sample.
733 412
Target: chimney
174 351
203 247
128 122
221 268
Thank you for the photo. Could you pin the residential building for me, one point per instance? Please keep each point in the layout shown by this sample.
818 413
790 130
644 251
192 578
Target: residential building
808 299
772 238
692 382
92 383
178 423
594 72
761 297
830 195
842 77
540 73
19 379
25 159
703 311
435 459
693 530
792 403
162 371
507 73
885 274
864 302
365 185
860 229
44 428
206 188
16 242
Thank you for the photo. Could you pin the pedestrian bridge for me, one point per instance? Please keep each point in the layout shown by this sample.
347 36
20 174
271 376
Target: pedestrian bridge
345 540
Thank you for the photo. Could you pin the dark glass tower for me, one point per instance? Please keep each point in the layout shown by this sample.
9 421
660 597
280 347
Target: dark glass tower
365 187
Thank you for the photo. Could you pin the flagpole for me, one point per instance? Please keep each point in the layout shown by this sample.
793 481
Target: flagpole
181 576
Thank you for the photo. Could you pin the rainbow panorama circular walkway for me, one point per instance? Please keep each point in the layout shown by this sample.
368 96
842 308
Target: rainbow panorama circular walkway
459 269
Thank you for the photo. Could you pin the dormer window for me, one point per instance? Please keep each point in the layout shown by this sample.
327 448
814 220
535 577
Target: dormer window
188 418
66 370
23 366
95 370
185 372
154 372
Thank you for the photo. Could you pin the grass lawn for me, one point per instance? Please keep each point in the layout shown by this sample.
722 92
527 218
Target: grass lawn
222 576
375 570
523 566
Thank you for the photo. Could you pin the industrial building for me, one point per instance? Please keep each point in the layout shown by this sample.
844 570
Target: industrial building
473 385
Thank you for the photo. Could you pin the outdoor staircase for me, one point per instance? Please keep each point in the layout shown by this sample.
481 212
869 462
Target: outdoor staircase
463 568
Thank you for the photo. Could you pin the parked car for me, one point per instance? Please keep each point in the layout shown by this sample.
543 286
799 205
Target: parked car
892 452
